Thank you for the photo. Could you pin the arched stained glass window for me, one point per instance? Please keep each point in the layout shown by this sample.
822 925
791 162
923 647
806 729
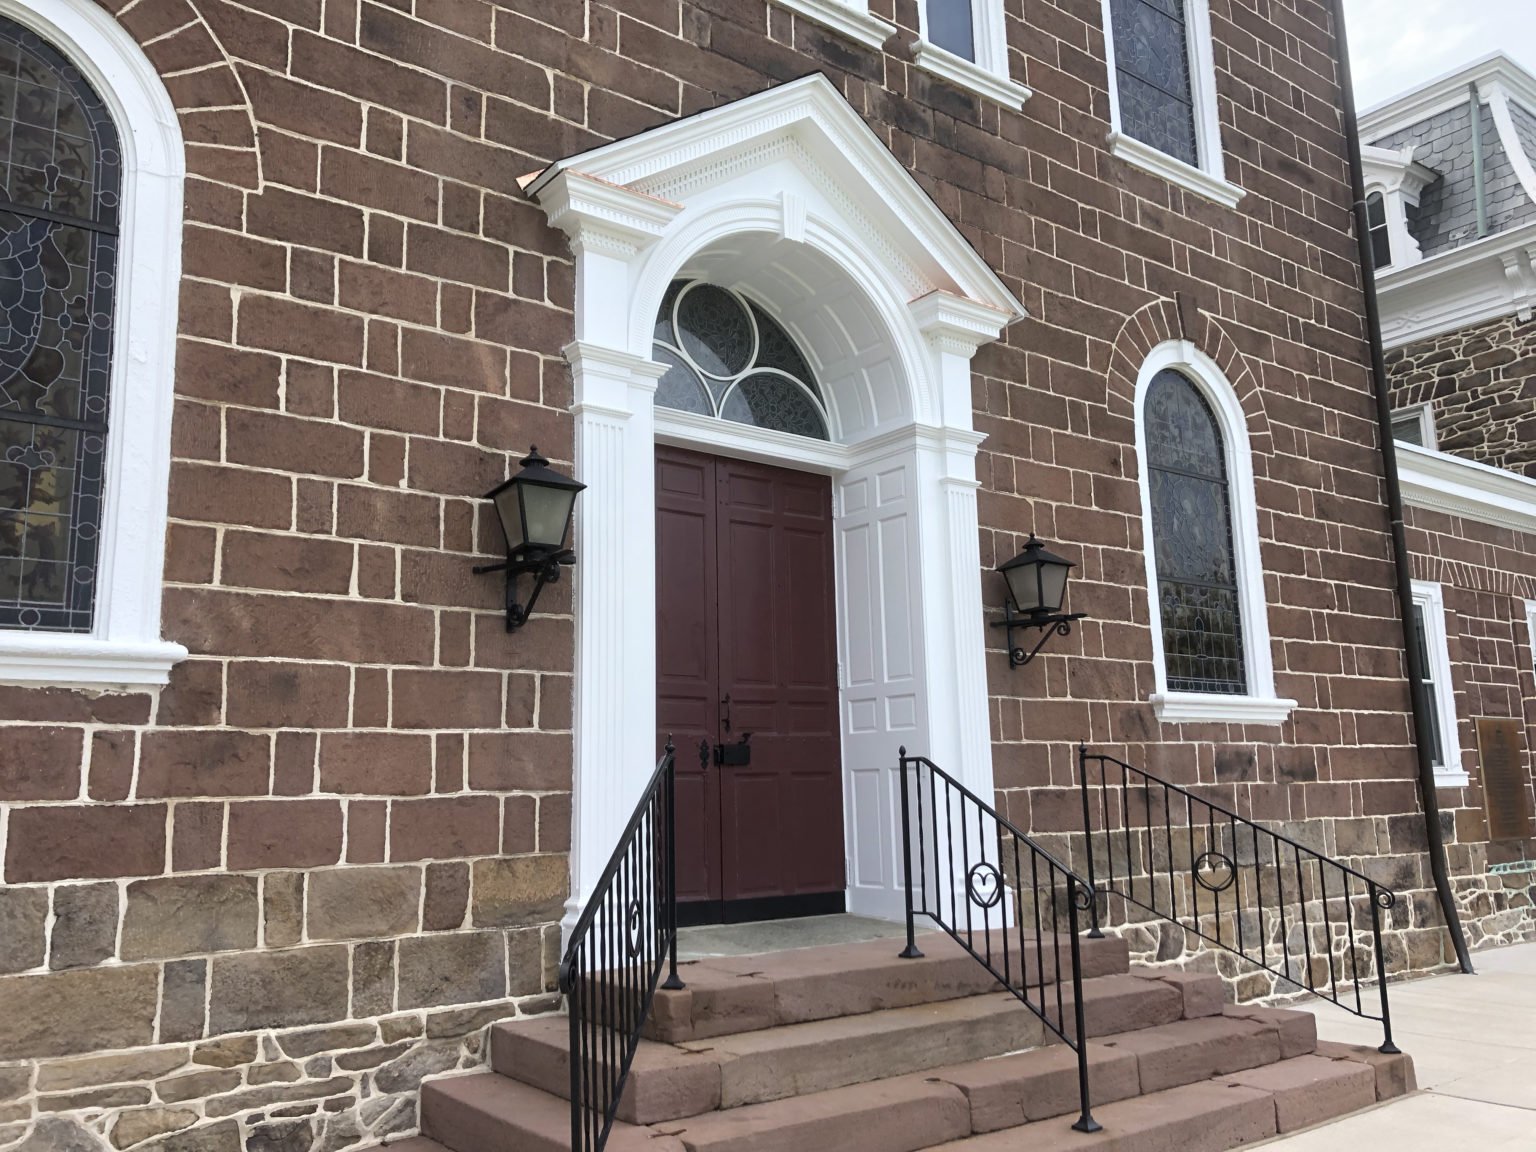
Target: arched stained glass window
1192 540
728 358
60 176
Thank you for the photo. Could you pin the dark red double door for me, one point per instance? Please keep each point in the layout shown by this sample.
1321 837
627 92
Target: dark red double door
746 643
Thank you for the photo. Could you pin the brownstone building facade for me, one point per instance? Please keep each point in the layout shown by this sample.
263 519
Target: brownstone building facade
294 816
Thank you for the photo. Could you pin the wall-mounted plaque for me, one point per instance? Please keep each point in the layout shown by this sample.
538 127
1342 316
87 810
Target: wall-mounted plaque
1506 784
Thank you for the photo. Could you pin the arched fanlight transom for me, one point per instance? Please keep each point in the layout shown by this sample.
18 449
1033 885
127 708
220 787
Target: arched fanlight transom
729 359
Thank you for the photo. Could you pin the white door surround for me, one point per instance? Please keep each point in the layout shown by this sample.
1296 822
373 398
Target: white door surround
789 198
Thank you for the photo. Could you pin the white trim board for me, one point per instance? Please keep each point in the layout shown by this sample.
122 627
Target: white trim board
850 18
124 646
1441 482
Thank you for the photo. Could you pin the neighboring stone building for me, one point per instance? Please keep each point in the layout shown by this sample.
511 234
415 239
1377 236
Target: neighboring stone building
288 815
1458 284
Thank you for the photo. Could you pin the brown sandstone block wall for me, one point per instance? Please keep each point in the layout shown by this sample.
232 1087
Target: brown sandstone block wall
1481 384
259 904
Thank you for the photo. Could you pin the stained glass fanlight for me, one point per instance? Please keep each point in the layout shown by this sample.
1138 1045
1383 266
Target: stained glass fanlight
1192 540
60 177
728 358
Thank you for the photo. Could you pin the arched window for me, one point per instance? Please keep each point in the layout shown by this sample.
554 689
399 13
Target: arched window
91 176
1202 620
59 196
1381 240
727 358
1205 582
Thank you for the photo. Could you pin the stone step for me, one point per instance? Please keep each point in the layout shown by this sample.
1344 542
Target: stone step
1213 1115
670 1083
903 1114
1203 1117
483 1111
729 995
1039 1085
414 1144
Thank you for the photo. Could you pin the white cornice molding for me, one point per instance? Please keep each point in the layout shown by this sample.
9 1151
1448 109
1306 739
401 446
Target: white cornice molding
967 74
1186 176
851 20
1444 483
814 115
1446 92
942 315
592 210
1394 170
1470 285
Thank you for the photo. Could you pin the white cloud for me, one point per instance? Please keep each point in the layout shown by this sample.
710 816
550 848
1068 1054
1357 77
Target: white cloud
1397 44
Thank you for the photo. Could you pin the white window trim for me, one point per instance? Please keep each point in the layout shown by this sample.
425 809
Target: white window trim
1209 179
1261 705
124 646
1431 598
988 75
1425 415
851 18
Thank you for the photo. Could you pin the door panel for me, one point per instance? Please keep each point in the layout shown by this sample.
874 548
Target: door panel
778 664
747 643
687 648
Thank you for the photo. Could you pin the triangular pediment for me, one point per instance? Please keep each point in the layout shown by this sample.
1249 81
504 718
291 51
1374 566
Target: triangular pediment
639 184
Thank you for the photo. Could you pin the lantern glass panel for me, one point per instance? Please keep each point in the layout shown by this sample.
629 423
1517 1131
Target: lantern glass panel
509 510
1053 584
1024 586
548 510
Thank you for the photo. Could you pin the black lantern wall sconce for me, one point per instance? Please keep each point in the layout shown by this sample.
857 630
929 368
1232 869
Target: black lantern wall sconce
534 508
1037 585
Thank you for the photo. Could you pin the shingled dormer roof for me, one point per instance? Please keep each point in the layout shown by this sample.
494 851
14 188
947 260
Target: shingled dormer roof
1435 121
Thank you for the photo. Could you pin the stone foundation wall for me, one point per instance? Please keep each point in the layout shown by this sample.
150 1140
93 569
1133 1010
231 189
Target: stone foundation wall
1481 385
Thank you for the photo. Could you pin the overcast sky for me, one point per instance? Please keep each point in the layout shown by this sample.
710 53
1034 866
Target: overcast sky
1396 44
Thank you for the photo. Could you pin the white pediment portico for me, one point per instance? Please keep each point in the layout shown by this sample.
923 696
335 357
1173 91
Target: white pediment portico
788 198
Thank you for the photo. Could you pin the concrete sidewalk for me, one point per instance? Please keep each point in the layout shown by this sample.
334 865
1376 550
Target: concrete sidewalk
1473 1043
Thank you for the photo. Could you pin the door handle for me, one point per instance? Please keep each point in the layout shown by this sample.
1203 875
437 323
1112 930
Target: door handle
725 716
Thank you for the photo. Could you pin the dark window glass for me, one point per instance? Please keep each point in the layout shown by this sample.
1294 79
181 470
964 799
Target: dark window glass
1381 242
952 26
726 357
1192 540
1408 429
59 186
1152 75
1421 638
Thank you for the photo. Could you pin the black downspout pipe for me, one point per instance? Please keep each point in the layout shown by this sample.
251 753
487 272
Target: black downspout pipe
1423 733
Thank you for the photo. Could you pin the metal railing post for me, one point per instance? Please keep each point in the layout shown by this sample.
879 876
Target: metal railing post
911 951
1085 1122
578 1113
1094 932
1387 1046
673 982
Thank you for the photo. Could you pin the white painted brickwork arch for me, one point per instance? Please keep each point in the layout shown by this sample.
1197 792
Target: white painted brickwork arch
790 199
124 647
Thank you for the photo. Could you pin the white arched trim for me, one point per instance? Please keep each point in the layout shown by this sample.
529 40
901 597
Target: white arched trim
124 646
1260 705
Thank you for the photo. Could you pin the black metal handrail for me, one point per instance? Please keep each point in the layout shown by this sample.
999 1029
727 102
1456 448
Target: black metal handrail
612 965
1236 884
960 835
